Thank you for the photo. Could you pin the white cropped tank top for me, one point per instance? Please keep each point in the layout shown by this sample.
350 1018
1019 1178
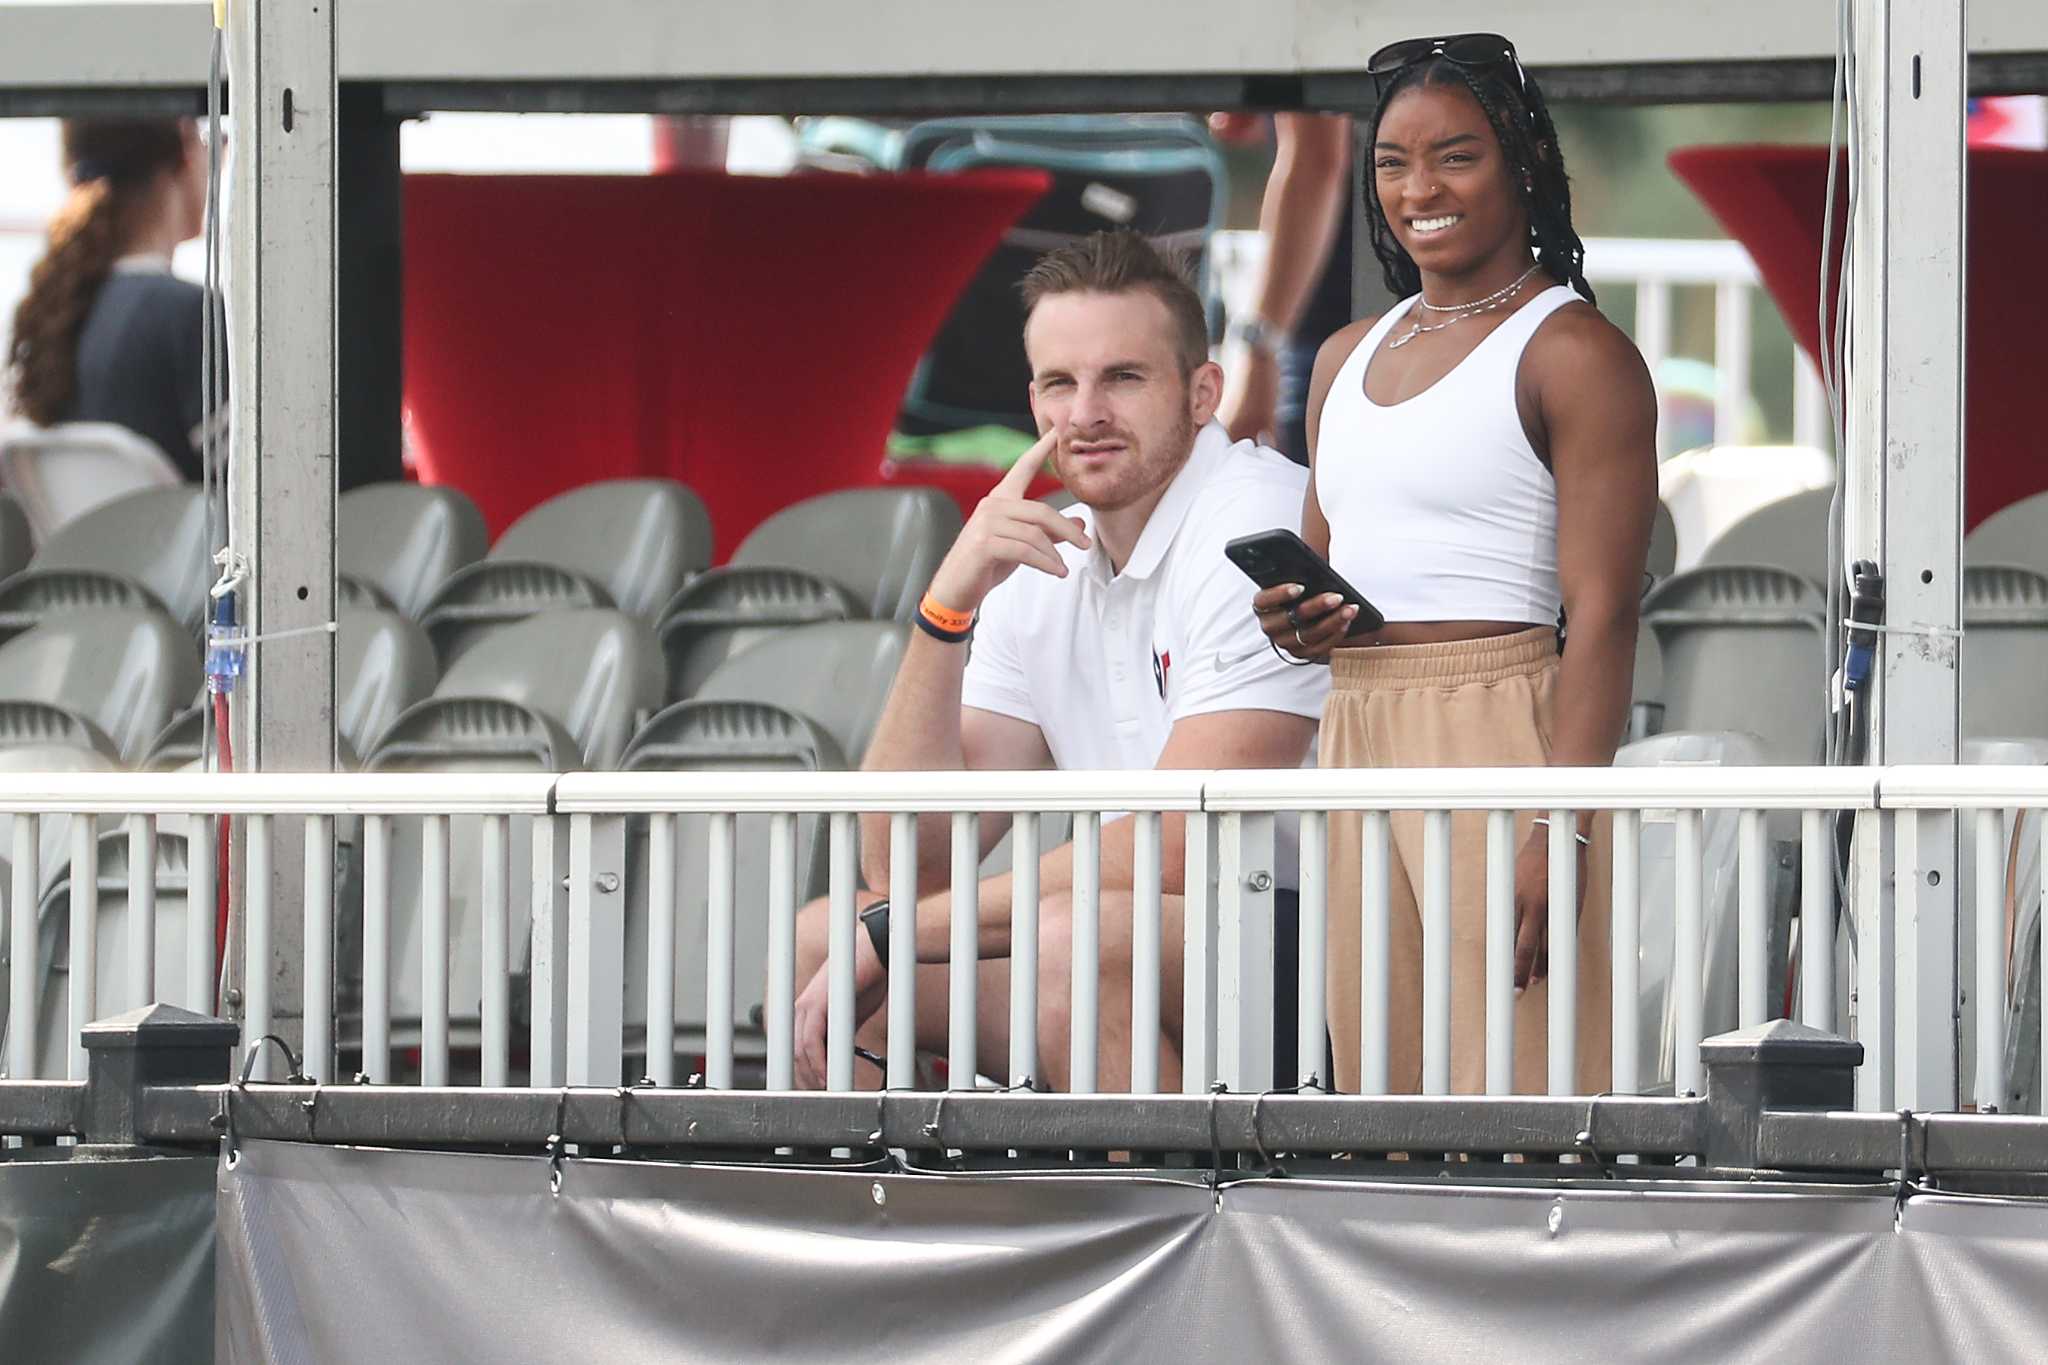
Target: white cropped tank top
1439 508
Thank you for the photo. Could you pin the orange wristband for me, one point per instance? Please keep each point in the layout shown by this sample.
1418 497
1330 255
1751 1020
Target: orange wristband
945 618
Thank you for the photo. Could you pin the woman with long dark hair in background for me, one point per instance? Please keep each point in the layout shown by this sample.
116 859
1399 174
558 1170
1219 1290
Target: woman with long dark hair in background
105 332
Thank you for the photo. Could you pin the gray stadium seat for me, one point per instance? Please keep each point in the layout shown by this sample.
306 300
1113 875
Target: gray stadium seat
1789 534
806 698
2005 652
121 669
2015 534
1742 649
720 613
63 472
624 543
383 664
110 975
17 541
399 542
721 736
555 693
862 552
1663 558
1657 1020
143 548
881 544
37 737
836 674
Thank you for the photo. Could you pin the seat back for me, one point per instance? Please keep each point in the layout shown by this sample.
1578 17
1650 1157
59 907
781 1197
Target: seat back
708 737
638 539
110 961
597 673
1790 534
1742 649
2015 534
836 674
881 544
2005 652
57 474
155 539
1658 874
36 737
481 597
125 671
403 540
17 539
383 664
723 611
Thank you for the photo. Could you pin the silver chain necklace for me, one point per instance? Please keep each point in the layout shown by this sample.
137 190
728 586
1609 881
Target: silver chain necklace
1460 311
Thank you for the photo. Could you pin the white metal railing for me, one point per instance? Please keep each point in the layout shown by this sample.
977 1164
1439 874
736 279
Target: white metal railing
570 907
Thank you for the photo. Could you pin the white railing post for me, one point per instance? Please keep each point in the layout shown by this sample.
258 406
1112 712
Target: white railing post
1753 923
1436 952
548 953
1198 960
377 948
495 905
1561 1047
721 909
1145 954
202 892
1731 359
24 941
256 963
779 1000
1244 975
1990 1078
1625 934
1500 952
141 910
1873 1004
1086 955
902 963
1688 955
661 949
1313 947
843 926
963 963
434 941
1024 948
597 949
318 988
1816 922
1375 962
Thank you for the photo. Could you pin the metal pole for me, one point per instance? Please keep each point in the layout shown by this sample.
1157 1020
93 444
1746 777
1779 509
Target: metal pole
1905 464
281 478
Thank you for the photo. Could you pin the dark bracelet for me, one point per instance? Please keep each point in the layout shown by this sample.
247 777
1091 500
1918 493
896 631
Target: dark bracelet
940 633
876 918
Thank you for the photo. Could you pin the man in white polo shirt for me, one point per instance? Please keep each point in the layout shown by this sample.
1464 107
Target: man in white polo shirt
1116 638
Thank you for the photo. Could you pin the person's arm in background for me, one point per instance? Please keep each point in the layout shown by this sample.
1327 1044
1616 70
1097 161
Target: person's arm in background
1299 216
1592 399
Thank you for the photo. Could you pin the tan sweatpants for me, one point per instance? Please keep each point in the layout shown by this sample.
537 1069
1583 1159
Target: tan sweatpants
1480 703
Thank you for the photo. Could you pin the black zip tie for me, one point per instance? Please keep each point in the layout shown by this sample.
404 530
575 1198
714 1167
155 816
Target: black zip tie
1216 1089
291 1058
1905 1188
1583 1142
557 1141
1273 1167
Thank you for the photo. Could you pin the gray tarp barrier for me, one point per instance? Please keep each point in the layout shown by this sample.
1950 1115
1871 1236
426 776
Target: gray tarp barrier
106 1259
358 1255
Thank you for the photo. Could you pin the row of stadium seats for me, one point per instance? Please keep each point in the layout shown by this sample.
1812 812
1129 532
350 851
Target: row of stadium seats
1739 641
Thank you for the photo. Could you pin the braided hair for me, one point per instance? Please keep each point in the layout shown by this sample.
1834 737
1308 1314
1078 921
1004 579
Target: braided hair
1528 138
112 162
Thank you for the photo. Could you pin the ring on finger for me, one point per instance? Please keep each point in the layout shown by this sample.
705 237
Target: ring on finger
1297 638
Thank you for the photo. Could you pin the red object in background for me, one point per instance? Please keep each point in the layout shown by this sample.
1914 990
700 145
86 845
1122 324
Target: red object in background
1770 199
751 336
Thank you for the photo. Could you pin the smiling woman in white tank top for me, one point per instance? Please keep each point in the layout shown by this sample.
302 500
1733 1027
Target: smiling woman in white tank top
1483 467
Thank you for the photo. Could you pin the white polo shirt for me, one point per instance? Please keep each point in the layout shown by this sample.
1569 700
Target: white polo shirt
1104 663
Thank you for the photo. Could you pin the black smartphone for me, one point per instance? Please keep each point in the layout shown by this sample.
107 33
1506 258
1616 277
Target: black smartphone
1270 558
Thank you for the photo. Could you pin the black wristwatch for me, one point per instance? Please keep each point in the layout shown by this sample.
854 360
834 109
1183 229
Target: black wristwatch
876 918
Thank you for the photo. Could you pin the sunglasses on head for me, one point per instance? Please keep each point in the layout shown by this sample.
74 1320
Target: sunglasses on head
1472 50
